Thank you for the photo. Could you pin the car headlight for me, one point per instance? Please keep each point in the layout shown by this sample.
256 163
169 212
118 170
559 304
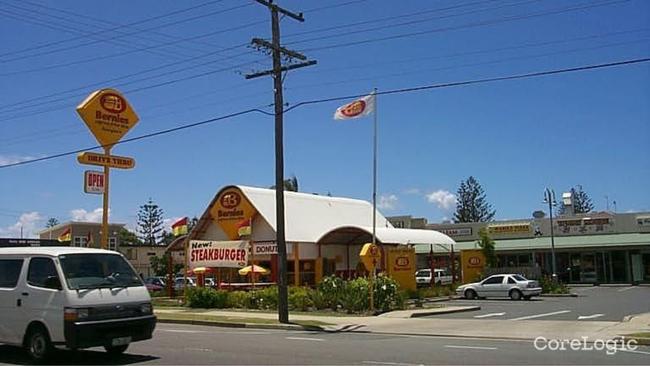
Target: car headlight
145 308
73 314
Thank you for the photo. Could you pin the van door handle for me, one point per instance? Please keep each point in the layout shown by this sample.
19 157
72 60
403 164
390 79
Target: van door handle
19 302
25 294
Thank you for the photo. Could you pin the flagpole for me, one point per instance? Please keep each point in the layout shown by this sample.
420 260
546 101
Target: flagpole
374 172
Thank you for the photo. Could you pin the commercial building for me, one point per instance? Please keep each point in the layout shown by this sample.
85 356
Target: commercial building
324 234
598 247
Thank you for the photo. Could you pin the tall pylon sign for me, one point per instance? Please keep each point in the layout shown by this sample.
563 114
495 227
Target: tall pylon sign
109 116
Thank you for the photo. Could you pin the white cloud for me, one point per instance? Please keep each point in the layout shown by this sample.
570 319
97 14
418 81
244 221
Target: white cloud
80 214
28 222
387 202
13 159
442 198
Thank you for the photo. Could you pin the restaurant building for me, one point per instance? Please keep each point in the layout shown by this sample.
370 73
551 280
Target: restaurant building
324 234
598 247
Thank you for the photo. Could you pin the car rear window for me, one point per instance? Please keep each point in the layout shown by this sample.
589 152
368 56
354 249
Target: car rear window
519 278
9 272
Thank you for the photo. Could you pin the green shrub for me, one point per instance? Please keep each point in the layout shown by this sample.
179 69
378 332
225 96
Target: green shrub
204 297
331 288
385 294
318 300
266 298
238 299
299 298
354 297
552 287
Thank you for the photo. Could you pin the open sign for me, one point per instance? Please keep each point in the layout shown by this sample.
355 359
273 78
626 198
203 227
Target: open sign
94 182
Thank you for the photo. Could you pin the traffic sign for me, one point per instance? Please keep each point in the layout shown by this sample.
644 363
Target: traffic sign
113 161
370 256
94 182
108 115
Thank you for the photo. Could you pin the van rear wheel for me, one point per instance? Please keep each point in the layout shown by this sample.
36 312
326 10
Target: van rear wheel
38 344
116 350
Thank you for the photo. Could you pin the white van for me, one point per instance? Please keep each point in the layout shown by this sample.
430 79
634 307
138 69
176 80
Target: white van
423 277
71 297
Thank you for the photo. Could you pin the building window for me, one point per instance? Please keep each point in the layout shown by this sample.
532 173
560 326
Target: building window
80 241
112 243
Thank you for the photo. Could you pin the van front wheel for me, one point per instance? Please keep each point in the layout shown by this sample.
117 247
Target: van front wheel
38 344
116 350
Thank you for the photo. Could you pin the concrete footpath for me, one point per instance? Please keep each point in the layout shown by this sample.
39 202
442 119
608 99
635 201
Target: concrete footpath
409 322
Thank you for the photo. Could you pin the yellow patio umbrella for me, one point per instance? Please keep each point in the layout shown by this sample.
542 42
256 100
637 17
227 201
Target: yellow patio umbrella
249 269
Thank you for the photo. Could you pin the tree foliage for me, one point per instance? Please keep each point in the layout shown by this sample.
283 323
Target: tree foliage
290 184
581 201
471 205
159 265
126 237
51 222
150 223
487 247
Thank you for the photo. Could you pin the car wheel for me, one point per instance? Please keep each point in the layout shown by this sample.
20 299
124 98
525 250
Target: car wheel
116 350
515 294
38 344
470 295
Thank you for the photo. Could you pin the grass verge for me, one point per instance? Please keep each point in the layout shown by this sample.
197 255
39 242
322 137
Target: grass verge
641 338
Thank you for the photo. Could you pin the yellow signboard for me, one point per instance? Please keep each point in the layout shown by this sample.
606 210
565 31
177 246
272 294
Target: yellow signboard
509 229
231 211
108 115
401 266
473 264
120 162
370 256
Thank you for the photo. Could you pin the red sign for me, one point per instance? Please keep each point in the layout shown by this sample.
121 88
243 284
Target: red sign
94 182
113 103
230 200
354 109
474 261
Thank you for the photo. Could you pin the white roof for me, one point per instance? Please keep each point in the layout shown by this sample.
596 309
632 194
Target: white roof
52 251
309 217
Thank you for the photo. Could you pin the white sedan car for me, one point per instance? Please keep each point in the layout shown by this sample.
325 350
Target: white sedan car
502 285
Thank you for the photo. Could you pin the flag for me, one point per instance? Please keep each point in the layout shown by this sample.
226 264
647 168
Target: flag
66 235
89 240
245 227
359 108
180 227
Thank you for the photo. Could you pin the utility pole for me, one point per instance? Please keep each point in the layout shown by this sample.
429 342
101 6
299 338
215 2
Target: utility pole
278 53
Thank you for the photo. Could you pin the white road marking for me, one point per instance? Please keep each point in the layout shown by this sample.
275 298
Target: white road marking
626 288
542 315
489 315
635 351
581 317
471 347
180 331
304 339
390 363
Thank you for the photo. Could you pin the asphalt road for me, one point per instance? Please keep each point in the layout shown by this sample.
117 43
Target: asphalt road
192 345
593 303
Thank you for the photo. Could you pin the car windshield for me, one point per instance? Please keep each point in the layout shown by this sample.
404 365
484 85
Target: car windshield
425 273
519 278
88 271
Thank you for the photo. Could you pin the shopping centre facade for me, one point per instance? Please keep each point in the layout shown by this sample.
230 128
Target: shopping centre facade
598 247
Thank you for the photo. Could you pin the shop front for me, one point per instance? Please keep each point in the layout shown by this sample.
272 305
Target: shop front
323 234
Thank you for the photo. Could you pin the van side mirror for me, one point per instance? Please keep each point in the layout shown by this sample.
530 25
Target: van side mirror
53 282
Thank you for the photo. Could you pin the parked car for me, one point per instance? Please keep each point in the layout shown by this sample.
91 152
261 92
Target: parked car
423 277
158 281
179 283
71 297
501 285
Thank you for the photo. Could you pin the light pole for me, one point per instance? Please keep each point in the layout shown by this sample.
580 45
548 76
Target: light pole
549 197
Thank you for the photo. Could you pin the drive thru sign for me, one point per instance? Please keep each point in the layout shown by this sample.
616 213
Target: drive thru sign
94 182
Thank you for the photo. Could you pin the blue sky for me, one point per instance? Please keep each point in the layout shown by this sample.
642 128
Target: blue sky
516 137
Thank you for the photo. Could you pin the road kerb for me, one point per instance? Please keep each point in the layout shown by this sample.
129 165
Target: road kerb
240 325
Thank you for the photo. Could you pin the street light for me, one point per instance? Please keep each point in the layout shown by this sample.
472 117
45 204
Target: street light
549 197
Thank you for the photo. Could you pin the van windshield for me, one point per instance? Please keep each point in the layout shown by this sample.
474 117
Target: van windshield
87 271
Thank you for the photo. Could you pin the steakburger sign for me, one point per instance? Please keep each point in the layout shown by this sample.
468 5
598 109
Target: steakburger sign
232 254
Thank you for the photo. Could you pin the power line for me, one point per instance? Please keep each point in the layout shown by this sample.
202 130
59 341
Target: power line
464 26
348 97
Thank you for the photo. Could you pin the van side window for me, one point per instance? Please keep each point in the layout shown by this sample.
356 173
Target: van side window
9 272
39 270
